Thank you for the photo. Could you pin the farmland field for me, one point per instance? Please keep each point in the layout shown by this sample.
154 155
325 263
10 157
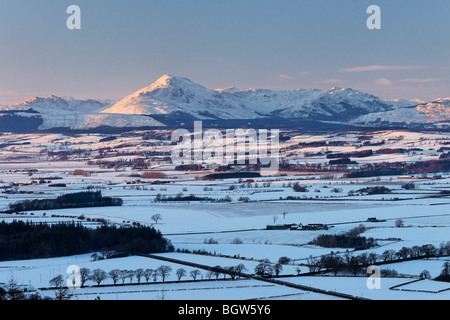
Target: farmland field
244 221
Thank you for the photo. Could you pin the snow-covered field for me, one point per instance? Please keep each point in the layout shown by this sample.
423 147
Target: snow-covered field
31 163
217 290
38 272
358 286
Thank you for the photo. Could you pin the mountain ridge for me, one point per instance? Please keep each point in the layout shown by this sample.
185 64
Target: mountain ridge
173 99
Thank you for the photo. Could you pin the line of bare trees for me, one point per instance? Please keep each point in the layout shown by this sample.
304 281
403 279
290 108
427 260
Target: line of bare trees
99 276
357 263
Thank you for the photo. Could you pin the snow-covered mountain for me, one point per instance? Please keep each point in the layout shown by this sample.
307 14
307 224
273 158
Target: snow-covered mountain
59 106
180 95
173 100
57 112
435 114
335 103
169 95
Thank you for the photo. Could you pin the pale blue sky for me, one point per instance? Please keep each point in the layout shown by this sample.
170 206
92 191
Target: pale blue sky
284 44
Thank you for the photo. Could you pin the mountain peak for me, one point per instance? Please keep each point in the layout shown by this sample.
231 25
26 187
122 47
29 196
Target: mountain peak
53 97
340 89
165 80
168 82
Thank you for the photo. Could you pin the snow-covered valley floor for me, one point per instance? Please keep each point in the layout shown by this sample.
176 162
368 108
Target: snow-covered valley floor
234 232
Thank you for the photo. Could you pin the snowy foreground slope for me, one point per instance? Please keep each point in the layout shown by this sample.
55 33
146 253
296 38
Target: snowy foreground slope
171 98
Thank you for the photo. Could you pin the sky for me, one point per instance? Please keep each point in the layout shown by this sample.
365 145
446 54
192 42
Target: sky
285 44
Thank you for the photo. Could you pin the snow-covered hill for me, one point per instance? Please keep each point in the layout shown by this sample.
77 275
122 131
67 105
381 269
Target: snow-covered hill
335 103
435 113
57 112
173 95
58 106
173 99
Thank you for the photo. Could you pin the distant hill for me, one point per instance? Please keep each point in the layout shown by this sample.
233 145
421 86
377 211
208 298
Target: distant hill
175 101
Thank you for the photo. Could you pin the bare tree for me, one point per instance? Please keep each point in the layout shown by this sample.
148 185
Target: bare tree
61 291
98 276
139 273
425 274
312 264
155 275
156 218
232 272
194 274
332 262
240 268
164 272
415 252
114 275
123 275
429 250
404 253
388 255
180 273
148 274
399 223
264 269
277 269
57 281
372 258
354 264
216 271
348 256
130 275
85 275
364 259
